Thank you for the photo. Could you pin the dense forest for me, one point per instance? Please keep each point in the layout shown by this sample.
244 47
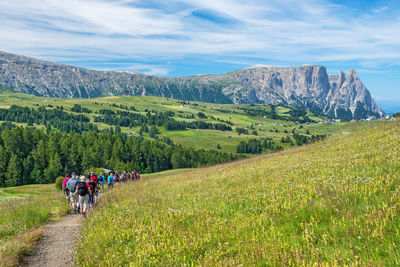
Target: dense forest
29 155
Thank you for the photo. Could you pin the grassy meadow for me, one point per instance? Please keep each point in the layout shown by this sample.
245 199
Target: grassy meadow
199 139
335 202
23 210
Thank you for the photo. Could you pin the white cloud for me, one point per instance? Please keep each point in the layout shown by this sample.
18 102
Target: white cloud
288 30
381 9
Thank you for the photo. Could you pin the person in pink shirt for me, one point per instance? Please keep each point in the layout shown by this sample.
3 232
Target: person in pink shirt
64 186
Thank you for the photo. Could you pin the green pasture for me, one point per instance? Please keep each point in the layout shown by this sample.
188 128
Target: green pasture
199 139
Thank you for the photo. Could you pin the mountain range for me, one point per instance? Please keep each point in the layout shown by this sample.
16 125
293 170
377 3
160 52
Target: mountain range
308 86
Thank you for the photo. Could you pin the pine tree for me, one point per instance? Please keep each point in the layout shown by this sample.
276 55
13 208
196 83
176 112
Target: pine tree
54 169
28 167
40 155
13 171
37 175
3 165
13 140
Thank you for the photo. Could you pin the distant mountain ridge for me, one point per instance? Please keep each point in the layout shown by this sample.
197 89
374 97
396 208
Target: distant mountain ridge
308 86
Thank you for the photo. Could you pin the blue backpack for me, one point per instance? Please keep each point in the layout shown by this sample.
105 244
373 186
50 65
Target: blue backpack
71 184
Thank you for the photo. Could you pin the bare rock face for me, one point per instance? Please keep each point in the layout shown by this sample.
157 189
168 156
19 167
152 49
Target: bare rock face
307 86
351 93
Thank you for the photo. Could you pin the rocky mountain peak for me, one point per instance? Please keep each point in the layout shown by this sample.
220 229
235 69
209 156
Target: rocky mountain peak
307 86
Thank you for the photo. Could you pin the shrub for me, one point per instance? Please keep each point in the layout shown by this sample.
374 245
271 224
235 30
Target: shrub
59 182
95 170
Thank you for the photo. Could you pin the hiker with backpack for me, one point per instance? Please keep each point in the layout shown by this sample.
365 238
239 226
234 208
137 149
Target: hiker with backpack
88 181
101 179
83 191
93 188
123 177
116 178
97 186
64 186
72 185
110 181
94 177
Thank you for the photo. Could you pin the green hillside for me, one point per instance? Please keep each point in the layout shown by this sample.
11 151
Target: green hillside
335 202
272 125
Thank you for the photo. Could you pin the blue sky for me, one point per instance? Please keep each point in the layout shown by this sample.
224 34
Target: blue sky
183 37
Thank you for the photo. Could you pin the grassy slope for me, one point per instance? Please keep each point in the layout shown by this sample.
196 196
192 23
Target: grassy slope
334 202
22 210
200 139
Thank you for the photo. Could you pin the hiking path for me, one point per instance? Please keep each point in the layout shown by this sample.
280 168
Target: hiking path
57 245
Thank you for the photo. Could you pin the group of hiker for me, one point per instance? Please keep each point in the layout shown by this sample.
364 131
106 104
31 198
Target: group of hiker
82 192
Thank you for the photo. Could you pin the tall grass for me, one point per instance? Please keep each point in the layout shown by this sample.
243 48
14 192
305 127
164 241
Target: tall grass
332 203
22 211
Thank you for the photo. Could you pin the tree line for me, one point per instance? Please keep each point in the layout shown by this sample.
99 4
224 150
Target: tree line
182 125
295 114
29 155
304 139
56 118
165 119
67 122
257 146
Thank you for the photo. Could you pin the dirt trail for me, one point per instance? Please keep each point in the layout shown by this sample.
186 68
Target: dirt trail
56 247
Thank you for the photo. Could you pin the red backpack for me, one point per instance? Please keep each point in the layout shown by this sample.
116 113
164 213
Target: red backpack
94 178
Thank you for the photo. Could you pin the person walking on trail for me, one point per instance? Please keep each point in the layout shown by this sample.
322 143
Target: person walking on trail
88 181
64 186
122 177
72 185
93 188
110 181
136 175
101 179
116 178
83 191
96 189
94 177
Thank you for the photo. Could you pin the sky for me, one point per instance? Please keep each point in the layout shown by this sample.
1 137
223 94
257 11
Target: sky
184 37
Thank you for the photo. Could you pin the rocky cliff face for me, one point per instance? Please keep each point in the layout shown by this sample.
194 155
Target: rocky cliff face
307 86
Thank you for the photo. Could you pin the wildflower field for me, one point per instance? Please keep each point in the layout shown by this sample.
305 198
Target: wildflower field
336 202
